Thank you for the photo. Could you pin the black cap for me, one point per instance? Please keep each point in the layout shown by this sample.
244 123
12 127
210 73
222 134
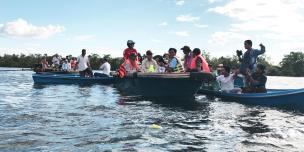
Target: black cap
185 48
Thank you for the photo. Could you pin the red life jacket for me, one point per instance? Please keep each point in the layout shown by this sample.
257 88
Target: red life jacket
122 70
204 66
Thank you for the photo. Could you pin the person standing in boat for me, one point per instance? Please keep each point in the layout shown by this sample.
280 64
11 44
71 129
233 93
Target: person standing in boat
174 64
198 63
129 50
257 81
149 64
249 59
187 58
105 68
84 65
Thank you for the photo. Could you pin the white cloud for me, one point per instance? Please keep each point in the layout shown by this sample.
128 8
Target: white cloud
163 24
182 33
156 41
214 1
201 25
223 38
179 2
284 17
33 44
279 23
83 37
187 18
21 28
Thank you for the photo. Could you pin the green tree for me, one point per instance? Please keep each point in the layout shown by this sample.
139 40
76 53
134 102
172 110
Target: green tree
293 64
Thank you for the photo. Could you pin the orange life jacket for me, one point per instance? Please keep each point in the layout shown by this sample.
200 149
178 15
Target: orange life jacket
122 70
204 66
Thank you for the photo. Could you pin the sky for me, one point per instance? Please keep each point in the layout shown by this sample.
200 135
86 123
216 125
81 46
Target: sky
103 26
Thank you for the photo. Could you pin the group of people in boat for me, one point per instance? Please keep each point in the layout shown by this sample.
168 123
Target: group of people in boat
80 64
193 61
58 64
252 75
168 63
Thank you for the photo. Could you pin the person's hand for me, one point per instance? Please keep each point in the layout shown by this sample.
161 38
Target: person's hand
262 46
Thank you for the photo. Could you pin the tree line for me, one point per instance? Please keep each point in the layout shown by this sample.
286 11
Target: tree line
291 65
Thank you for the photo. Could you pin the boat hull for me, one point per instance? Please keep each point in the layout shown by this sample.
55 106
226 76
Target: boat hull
160 85
70 79
274 97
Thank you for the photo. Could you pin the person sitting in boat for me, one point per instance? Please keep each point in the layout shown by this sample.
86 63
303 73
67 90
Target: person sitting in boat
148 64
65 65
44 64
257 81
219 69
105 68
129 50
198 63
128 66
187 58
161 68
83 63
73 63
226 81
56 61
239 80
174 64
166 57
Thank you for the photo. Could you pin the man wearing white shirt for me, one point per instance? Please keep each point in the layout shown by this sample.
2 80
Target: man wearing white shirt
84 65
105 68
226 81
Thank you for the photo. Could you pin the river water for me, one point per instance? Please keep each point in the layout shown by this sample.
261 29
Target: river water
98 118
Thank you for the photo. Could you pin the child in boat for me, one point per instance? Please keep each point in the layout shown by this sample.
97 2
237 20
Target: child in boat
161 67
66 65
226 81
257 81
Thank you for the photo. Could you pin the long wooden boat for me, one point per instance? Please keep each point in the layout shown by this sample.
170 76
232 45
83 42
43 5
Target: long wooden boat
182 85
70 79
273 97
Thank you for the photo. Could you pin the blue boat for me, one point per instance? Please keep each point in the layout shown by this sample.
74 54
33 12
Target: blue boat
273 97
70 79
59 72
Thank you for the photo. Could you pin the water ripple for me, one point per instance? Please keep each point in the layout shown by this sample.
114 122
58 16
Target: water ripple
98 118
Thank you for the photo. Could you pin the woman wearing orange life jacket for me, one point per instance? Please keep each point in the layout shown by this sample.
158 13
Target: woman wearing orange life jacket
198 63
128 66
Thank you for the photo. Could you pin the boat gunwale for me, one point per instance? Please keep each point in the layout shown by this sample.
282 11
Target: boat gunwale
286 92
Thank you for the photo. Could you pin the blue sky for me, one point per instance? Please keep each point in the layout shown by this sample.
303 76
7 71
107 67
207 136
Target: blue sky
103 27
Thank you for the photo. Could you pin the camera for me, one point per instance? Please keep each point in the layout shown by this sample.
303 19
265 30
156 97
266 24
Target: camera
239 53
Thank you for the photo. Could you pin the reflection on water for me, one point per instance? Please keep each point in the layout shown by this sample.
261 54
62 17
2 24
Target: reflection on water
98 118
